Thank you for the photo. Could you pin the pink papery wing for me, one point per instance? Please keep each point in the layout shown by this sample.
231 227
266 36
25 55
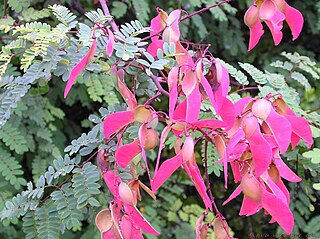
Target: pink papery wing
173 89
295 20
279 210
76 70
116 121
222 151
110 44
163 137
193 105
283 188
155 45
136 233
228 113
209 124
166 169
194 174
281 129
256 32
236 171
183 58
127 95
261 152
233 195
300 127
172 32
138 219
285 171
249 207
273 18
126 153
112 181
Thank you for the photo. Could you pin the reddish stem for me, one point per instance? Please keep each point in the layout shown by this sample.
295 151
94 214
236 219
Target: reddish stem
107 13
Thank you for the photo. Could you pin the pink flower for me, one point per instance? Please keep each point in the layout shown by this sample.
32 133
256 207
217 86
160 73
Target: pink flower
273 13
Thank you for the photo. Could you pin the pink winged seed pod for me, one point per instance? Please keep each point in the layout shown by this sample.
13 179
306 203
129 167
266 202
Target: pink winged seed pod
249 134
122 220
273 13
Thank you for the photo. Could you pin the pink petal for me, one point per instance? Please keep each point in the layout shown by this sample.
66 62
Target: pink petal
285 171
235 194
126 153
110 44
76 70
278 210
127 95
295 20
194 174
166 169
256 32
193 105
173 89
116 121
112 181
281 129
249 207
136 217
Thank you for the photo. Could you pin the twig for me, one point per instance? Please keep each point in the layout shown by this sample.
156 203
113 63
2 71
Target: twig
313 110
247 88
107 13
156 81
149 101
218 213
203 10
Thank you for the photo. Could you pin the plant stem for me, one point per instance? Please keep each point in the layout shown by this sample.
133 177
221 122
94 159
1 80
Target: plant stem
149 101
218 213
204 9
107 13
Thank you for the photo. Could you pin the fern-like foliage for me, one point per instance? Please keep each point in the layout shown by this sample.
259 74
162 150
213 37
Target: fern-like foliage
11 170
66 204
12 137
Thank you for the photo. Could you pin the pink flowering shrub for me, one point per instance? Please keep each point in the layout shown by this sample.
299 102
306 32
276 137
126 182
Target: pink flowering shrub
249 134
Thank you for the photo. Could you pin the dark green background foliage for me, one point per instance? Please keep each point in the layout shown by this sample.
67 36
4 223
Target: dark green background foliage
65 190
